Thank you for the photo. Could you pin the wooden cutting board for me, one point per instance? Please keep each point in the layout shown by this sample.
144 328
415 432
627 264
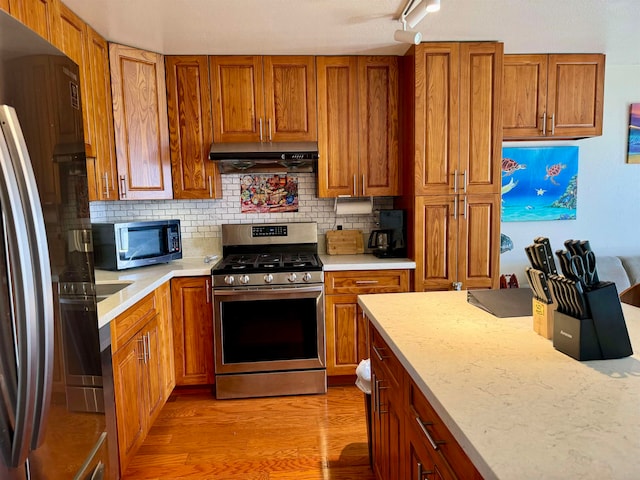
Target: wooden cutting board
344 242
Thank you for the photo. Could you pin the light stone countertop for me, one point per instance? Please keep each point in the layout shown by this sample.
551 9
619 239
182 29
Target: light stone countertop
365 261
145 280
519 408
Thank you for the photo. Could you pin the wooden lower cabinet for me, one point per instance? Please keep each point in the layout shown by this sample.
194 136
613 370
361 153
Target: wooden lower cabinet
192 330
346 326
409 439
141 373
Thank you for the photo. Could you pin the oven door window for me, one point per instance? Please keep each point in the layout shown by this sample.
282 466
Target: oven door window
269 330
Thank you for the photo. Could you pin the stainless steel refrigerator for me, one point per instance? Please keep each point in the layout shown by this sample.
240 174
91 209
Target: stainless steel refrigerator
52 422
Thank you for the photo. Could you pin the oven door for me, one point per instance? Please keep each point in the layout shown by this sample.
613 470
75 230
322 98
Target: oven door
269 329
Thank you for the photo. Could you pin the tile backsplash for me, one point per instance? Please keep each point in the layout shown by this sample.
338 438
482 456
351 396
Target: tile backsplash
201 219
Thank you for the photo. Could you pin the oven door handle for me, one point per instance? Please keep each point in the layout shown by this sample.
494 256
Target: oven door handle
248 290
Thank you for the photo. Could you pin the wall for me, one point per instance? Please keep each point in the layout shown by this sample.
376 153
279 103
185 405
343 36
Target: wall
201 219
608 212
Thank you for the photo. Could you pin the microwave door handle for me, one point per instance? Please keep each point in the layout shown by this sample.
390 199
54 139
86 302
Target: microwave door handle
21 281
123 239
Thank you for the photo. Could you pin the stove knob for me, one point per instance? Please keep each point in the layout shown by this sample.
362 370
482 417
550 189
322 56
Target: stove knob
268 278
292 277
306 277
244 279
229 280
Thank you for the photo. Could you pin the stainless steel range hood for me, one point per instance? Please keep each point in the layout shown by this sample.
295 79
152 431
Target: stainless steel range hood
272 157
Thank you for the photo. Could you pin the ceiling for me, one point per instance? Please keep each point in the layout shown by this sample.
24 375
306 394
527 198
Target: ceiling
331 27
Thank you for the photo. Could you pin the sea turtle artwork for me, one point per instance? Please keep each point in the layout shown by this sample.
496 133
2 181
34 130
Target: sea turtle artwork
509 166
553 171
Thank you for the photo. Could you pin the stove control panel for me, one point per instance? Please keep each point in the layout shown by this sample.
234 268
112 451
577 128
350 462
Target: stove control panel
263 279
269 231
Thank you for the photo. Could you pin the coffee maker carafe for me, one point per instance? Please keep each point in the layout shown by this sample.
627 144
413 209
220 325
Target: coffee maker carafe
389 240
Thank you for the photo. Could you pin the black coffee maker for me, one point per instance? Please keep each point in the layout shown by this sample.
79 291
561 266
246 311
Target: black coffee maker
389 240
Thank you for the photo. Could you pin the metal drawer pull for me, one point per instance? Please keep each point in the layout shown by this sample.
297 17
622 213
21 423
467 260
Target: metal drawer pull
377 403
260 122
423 473
142 355
123 185
455 181
210 187
434 443
544 124
553 124
378 354
464 181
367 282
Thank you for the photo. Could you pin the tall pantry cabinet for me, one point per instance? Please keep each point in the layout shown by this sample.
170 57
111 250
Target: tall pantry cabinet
451 123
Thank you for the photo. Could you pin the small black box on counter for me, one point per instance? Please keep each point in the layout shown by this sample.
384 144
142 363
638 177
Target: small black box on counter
603 336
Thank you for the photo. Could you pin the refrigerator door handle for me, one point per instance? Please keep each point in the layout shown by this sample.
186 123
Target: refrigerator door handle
22 288
38 252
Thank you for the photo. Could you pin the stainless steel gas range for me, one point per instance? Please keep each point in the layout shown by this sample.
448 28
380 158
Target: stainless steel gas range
268 300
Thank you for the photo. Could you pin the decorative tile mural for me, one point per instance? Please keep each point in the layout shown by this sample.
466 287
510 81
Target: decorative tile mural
633 152
266 194
539 184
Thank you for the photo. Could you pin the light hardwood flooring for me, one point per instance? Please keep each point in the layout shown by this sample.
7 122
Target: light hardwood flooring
308 437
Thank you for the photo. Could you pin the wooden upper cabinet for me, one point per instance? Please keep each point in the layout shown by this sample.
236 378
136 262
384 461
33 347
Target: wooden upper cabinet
261 99
191 128
140 123
358 126
106 174
458 118
553 96
40 16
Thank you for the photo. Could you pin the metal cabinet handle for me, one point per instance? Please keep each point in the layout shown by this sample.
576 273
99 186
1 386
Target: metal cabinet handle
106 184
364 192
435 444
123 186
544 124
210 186
355 186
270 135
553 124
464 212
148 346
464 181
260 123
423 473
142 354
455 181
377 352
378 404
367 282
208 288
455 208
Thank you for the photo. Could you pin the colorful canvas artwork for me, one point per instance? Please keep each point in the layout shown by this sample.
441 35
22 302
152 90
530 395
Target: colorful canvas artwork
633 152
539 184
268 193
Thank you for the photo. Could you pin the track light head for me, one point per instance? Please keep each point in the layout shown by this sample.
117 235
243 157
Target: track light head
407 36
433 5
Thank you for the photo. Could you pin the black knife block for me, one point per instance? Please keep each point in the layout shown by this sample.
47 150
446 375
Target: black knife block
604 336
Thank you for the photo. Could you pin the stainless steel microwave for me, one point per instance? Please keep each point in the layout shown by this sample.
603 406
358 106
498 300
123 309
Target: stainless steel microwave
118 246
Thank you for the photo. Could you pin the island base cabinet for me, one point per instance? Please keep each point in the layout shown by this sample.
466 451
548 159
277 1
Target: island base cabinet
420 462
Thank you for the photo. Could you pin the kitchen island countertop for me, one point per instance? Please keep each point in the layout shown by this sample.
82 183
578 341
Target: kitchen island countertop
519 408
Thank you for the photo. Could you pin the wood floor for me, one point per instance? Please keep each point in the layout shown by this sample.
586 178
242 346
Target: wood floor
310 437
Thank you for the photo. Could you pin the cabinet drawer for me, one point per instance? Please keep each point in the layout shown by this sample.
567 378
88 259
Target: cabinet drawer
366 281
125 325
423 419
382 356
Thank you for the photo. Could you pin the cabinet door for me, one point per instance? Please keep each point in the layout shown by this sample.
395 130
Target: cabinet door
128 386
165 325
154 377
575 95
436 230
5 5
346 334
39 15
191 128
101 111
479 241
437 122
480 133
378 126
337 126
140 123
238 94
192 330
290 98
524 96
